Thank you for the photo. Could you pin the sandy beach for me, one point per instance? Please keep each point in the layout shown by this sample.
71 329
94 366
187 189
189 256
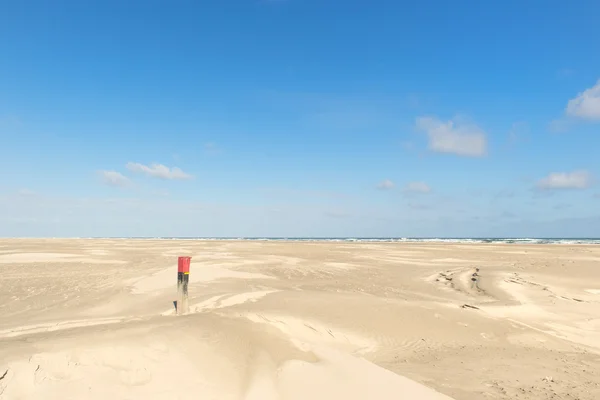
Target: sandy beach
94 319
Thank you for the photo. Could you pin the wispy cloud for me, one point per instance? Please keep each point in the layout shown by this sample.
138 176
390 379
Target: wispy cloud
212 148
417 187
507 215
10 122
504 194
337 214
26 193
158 171
453 137
518 132
586 105
565 180
385 185
560 125
566 72
408 145
563 206
162 193
419 206
114 178
282 192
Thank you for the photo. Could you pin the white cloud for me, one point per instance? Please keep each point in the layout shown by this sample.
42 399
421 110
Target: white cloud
385 185
113 178
417 187
586 105
453 137
566 180
159 171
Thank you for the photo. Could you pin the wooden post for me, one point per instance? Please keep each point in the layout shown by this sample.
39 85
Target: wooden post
183 278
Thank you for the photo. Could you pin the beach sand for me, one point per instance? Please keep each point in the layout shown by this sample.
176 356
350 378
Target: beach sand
94 319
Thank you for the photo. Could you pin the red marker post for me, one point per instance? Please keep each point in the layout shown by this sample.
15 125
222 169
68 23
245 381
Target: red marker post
183 278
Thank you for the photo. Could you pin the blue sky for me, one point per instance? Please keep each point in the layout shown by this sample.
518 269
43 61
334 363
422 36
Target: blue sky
299 118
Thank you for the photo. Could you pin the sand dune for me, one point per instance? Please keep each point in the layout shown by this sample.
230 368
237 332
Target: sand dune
94 319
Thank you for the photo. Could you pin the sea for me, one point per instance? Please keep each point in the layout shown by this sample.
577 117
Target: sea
568 241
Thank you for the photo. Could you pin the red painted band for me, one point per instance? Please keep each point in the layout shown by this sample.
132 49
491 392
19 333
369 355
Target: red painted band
183 264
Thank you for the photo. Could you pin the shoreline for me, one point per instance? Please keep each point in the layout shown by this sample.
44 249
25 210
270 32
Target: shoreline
508 241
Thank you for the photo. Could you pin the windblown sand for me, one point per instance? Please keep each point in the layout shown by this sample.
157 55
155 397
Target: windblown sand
94 319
